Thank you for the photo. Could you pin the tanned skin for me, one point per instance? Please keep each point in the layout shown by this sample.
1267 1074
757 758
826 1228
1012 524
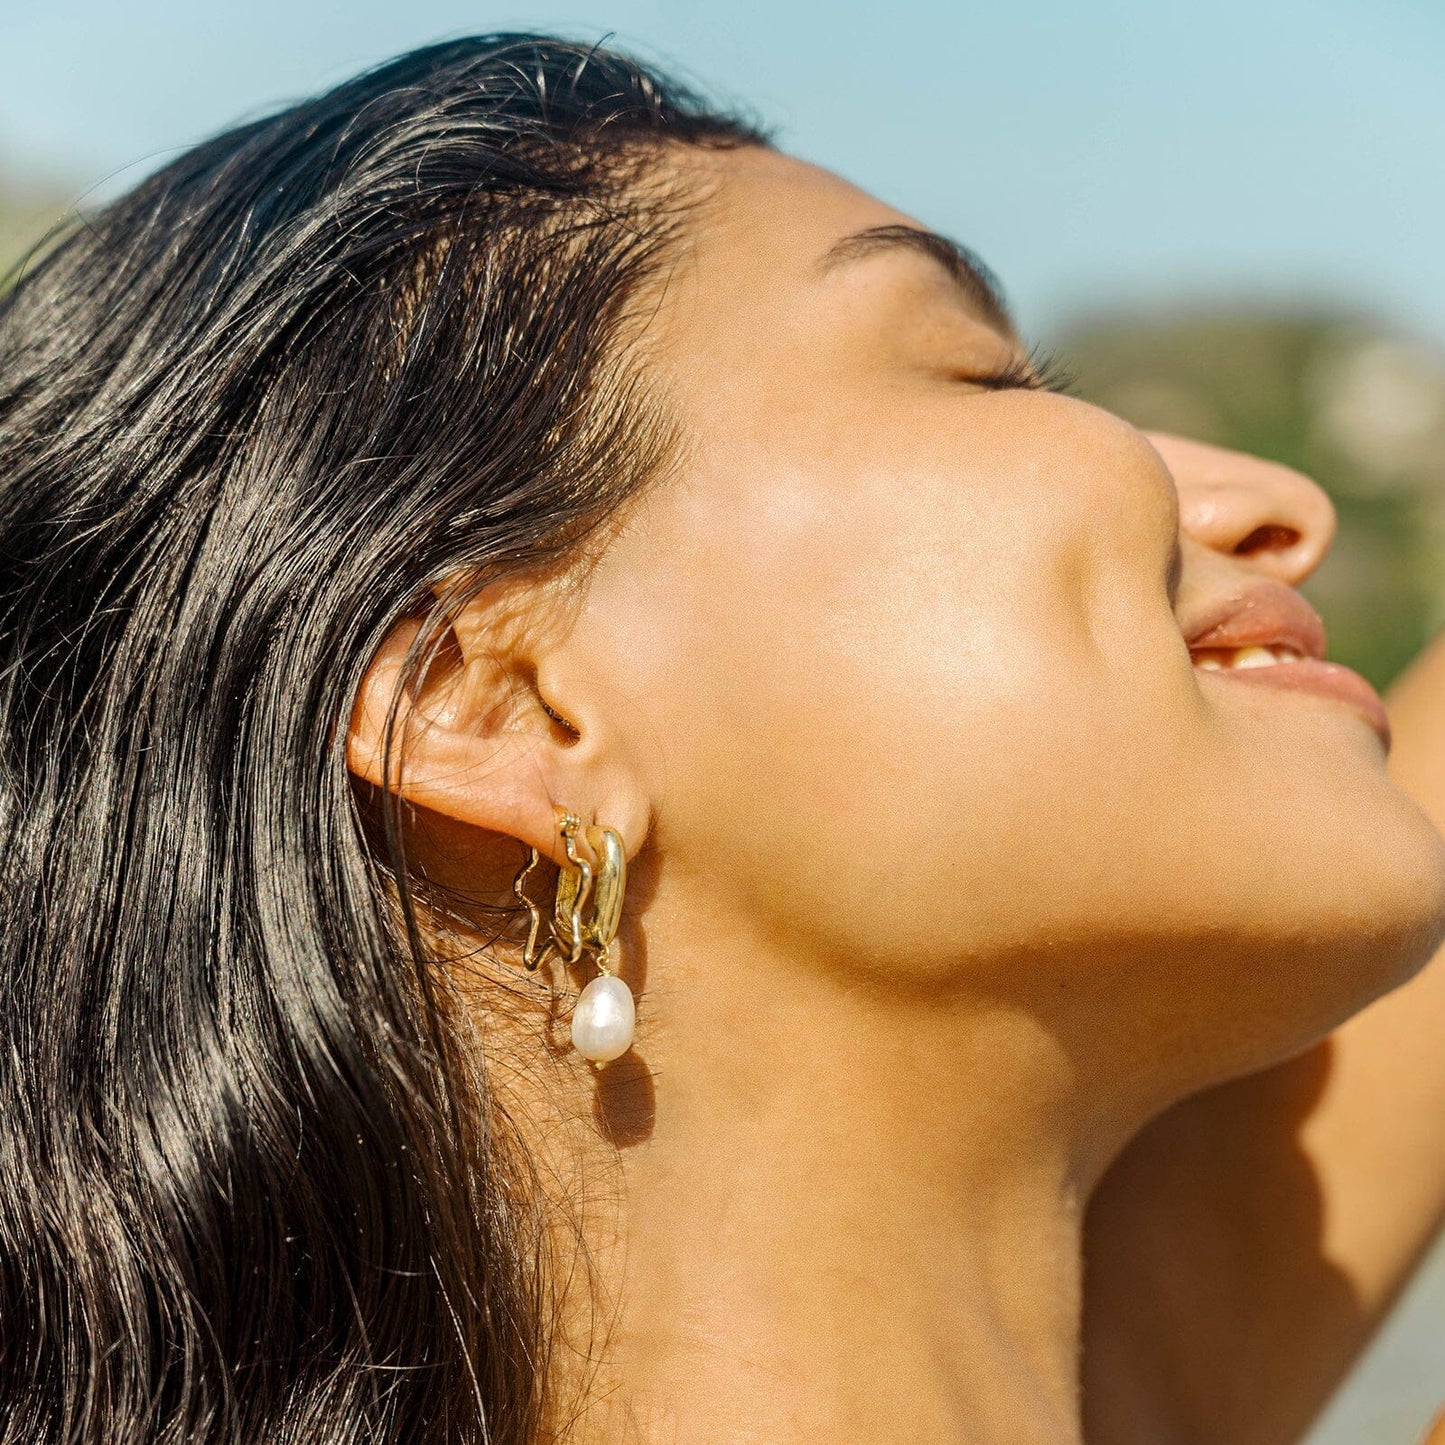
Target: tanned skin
952 870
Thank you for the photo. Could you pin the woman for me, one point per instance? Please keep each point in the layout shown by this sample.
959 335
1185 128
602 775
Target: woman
504 462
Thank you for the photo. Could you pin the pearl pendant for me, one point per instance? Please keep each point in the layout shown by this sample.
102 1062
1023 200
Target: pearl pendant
603 1019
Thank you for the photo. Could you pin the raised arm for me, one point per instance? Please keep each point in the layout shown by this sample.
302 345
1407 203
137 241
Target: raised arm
1243 1250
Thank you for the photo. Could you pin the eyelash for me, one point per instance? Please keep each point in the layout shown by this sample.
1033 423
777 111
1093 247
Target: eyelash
1038 371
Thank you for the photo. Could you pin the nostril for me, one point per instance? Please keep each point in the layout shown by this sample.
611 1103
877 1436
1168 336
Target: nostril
1270 538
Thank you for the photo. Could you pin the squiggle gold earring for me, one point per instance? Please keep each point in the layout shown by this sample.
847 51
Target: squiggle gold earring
584 919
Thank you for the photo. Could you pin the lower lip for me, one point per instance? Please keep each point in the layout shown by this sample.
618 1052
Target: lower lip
1320 679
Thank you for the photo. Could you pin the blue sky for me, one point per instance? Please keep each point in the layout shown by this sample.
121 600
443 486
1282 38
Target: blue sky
1281 150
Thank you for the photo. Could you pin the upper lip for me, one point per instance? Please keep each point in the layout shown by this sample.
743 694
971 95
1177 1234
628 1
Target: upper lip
1267 614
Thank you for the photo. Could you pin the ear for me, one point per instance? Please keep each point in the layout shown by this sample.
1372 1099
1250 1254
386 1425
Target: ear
475 740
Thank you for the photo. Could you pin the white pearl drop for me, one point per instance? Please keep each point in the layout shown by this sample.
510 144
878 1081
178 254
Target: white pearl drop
603 1019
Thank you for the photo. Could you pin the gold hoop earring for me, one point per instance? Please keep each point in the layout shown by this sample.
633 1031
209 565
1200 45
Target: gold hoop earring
584 919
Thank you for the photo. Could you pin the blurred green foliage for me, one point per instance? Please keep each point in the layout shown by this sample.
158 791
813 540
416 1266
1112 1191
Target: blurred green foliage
1354 404
26 215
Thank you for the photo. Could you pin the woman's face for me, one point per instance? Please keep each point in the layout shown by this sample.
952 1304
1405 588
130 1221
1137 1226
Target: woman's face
905 661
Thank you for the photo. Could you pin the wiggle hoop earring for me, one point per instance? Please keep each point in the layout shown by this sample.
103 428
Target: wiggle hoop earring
584 919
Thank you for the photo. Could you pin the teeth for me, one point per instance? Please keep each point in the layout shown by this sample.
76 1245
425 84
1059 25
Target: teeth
1223 659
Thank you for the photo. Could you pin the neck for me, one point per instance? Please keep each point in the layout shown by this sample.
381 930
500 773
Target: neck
851 1217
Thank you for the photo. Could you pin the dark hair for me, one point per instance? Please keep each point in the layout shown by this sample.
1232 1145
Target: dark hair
251 1187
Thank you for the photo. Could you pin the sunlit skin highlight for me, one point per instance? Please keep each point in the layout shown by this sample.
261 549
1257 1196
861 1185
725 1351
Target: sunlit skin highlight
950 868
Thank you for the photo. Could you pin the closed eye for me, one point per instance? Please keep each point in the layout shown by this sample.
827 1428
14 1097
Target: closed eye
1038 371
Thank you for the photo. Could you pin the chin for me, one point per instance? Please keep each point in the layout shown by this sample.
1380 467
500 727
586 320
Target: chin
1353 870
1362 922
1392 914
1301 886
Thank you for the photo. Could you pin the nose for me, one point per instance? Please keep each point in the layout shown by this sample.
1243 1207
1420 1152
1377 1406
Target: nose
1272 516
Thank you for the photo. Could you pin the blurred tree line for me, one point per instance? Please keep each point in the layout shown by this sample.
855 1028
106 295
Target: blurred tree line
1353 403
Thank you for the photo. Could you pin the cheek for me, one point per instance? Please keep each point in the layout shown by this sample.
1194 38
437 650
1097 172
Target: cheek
877 691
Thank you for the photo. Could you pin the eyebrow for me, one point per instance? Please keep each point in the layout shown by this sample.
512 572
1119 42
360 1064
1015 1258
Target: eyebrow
964 269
